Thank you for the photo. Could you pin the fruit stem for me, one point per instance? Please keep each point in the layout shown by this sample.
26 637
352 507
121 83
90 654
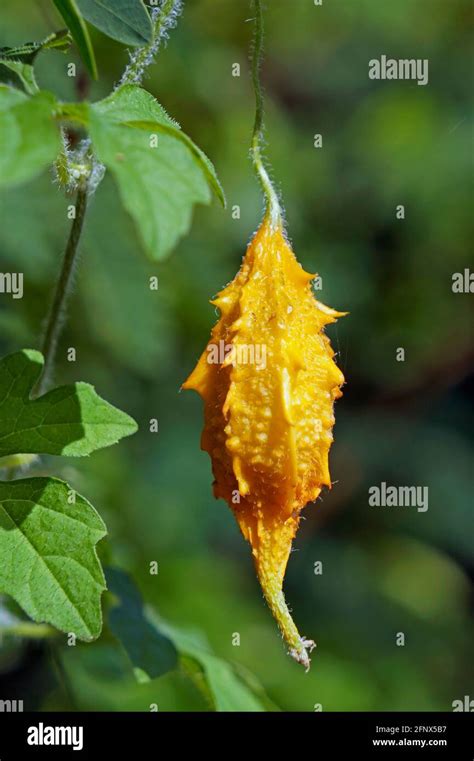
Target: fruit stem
273 205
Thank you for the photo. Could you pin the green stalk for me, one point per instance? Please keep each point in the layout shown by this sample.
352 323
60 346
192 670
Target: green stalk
273 208
63 290
163 19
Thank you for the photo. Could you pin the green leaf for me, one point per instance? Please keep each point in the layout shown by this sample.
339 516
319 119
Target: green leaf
10 97
27 52
78 28
124 20
228 691
160 172
150 652
145 636
69 420
146 343
29 137
18 61
20 75
49 561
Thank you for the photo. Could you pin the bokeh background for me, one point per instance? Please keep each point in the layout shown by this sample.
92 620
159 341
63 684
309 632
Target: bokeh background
385 570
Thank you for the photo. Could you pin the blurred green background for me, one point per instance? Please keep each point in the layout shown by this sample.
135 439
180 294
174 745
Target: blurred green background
385 570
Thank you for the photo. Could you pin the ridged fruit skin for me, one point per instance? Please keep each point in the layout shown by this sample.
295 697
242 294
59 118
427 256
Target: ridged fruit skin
268 422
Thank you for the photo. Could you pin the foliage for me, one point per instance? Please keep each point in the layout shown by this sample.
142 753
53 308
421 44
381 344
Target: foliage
47 532
124 20
153 645
19 116
122 128
69 420
151 158
150 652
49 563
17 64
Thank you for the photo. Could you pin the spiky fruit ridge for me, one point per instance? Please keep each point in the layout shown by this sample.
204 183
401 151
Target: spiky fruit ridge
269 381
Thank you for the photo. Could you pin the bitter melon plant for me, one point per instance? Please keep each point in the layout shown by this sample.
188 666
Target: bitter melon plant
48 533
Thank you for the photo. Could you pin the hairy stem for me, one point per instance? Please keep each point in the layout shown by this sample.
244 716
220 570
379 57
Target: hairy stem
273 205
63 290
163 19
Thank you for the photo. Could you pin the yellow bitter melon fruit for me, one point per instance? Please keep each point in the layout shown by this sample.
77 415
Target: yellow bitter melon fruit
268 380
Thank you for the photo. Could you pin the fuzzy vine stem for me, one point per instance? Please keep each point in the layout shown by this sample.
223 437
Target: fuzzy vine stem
63 289
163 18
273 208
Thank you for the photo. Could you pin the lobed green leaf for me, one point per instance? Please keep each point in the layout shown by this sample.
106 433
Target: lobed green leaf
49 562
160 172
69 420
